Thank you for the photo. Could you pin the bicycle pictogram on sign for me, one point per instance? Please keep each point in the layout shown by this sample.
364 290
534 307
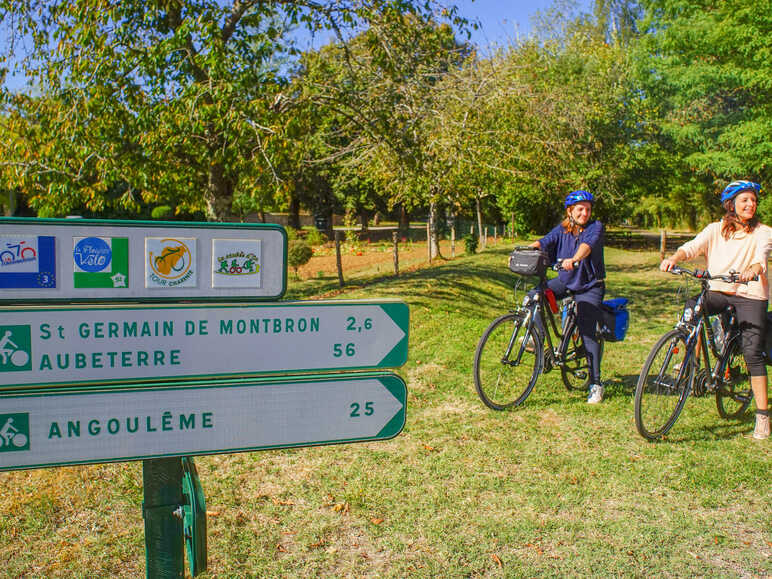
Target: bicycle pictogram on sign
14 432
15 349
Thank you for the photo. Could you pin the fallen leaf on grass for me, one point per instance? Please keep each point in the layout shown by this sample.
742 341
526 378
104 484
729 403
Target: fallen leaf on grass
497 560
213 513
281 502
318 544
429 448
376 521
280 548
341 508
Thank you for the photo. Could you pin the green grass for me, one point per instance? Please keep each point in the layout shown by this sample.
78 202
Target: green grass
555 487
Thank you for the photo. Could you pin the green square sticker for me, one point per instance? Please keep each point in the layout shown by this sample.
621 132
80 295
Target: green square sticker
14 432
15 349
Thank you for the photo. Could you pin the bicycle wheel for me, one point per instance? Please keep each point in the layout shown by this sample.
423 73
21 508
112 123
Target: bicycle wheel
660 393
575 369
733 392
507 362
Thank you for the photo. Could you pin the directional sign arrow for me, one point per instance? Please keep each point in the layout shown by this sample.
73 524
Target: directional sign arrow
99 344
47 429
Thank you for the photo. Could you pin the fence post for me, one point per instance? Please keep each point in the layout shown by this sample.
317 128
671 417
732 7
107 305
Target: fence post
662 243
337 258
395 242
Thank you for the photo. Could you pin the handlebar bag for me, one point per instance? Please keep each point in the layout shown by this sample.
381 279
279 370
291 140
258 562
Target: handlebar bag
528 261
615 319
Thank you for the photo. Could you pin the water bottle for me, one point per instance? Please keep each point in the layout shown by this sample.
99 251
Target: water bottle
718 332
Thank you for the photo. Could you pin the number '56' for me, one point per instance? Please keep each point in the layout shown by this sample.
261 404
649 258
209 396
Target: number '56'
339 349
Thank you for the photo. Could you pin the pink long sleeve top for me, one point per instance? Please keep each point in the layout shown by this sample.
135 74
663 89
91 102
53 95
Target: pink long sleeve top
737 253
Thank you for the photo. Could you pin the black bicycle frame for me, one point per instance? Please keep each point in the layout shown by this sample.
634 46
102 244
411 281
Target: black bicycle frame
703 332
539 307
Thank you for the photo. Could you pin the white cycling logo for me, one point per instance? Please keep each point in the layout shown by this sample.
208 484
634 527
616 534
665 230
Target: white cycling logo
10 352
11 436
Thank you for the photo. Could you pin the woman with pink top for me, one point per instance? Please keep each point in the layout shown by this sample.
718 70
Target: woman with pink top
739 242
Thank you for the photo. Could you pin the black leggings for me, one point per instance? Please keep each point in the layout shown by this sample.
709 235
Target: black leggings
752 319
588 314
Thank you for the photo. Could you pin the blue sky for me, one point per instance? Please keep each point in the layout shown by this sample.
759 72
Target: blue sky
502 20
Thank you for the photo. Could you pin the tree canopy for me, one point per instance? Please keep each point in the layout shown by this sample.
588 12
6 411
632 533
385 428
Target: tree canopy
210 108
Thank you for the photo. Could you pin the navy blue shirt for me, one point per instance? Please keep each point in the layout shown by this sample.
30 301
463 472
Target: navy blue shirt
561 245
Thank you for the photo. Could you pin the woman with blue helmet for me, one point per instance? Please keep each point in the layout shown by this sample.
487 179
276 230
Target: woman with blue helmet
739 242
579 240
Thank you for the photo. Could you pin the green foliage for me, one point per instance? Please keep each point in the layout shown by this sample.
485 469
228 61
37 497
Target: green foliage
161 212
292 233
314 237
470 243
299 253
705 72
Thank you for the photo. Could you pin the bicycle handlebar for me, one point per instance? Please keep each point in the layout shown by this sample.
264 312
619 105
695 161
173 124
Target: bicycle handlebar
704 274
559 266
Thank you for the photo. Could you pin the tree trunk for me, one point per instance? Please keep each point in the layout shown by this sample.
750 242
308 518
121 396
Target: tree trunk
433 239
404 221
480 232
364 219
293 219
219 194
9 206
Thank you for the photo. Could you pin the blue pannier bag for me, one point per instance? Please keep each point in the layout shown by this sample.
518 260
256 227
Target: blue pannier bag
615 319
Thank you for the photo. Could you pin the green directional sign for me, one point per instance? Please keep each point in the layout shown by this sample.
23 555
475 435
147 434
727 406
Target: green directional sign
99 345
46 428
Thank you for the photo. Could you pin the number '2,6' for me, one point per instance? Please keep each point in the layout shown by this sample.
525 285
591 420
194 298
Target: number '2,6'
356 409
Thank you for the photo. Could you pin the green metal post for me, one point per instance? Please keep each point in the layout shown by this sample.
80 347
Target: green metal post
163 513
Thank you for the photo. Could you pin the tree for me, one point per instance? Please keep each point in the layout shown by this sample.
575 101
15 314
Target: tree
705 67
176 99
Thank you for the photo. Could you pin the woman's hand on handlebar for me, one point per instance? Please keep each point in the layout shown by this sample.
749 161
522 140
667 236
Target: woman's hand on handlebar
749 274
667 264
568 264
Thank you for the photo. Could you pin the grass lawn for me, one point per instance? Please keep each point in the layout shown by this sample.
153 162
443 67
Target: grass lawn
554 487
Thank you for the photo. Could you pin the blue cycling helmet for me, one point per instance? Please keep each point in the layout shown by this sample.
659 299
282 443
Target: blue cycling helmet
576 196
737 187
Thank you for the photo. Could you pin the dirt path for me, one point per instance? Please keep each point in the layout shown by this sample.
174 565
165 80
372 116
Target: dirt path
374 258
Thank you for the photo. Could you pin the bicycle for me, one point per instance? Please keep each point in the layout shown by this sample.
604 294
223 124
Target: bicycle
21 254
671 371
511 354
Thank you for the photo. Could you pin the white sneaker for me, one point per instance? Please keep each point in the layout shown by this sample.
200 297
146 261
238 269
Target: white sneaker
761 431
596 394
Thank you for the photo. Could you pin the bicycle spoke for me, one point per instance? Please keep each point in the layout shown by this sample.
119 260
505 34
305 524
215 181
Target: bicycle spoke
507 362
663 385
733 393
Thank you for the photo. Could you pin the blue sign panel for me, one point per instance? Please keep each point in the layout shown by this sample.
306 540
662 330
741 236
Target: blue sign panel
27 262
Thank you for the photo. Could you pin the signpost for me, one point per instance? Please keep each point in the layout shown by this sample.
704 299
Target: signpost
99 345
83 384
46 428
